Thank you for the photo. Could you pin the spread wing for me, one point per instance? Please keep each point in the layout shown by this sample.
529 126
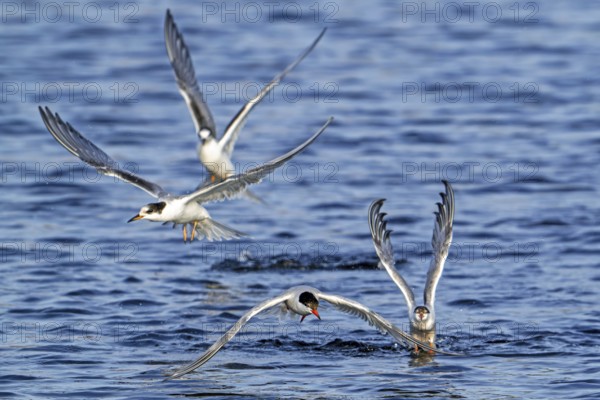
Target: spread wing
383 247
440 241
223 340
374 319
232 131
91 154
234 185
179 55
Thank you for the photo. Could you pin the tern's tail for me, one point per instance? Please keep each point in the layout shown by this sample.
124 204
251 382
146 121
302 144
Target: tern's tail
214 230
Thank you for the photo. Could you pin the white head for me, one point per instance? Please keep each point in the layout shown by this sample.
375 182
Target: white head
204 135
151 212
422 314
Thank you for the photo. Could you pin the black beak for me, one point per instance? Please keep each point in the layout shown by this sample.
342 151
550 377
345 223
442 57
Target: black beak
135 218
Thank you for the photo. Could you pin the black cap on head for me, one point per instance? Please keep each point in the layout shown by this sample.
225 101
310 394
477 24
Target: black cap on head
309 300
157 207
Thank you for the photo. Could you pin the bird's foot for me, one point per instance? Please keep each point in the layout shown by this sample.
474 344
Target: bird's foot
194 230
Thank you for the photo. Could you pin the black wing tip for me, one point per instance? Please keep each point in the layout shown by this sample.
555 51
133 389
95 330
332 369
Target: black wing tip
318 39
169 20
448 187
48 116
45 111
448 198
168 378
375 207
171 30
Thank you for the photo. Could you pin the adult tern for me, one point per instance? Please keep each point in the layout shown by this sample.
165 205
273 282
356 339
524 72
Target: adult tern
303 301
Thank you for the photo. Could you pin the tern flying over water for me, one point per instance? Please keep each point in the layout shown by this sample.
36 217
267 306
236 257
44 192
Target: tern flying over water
184 209
303 300
214 154
422 317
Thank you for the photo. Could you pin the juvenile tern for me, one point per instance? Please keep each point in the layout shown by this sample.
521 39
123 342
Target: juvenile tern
303 300
214 154
422 317
183 209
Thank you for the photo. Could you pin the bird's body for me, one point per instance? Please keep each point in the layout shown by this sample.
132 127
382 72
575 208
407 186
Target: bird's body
422 317
217 163
177 209
303 301
215 154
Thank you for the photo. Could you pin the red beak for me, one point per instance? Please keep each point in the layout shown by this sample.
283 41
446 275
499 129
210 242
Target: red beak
312 311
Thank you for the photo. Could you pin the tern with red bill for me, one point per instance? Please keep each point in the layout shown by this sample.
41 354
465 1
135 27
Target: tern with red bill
422 317
304 301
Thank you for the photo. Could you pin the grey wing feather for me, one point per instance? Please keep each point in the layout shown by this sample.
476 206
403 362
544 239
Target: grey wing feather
91 154
354 308
385 252
181 61
440 242
223 340
234 185
232 131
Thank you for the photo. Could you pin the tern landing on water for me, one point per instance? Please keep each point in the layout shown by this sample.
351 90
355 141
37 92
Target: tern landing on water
184 209
214 154
304 300
422 317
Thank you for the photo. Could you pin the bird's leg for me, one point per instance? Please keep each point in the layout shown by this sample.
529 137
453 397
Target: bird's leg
194 230
213 178
184 233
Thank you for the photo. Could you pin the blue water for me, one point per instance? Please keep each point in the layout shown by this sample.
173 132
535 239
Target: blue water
505 107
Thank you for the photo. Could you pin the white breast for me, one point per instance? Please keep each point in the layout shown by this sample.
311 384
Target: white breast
215 161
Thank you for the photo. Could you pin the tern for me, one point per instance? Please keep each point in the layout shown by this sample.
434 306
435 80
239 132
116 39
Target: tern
183 209
214 154
422 317
304 301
